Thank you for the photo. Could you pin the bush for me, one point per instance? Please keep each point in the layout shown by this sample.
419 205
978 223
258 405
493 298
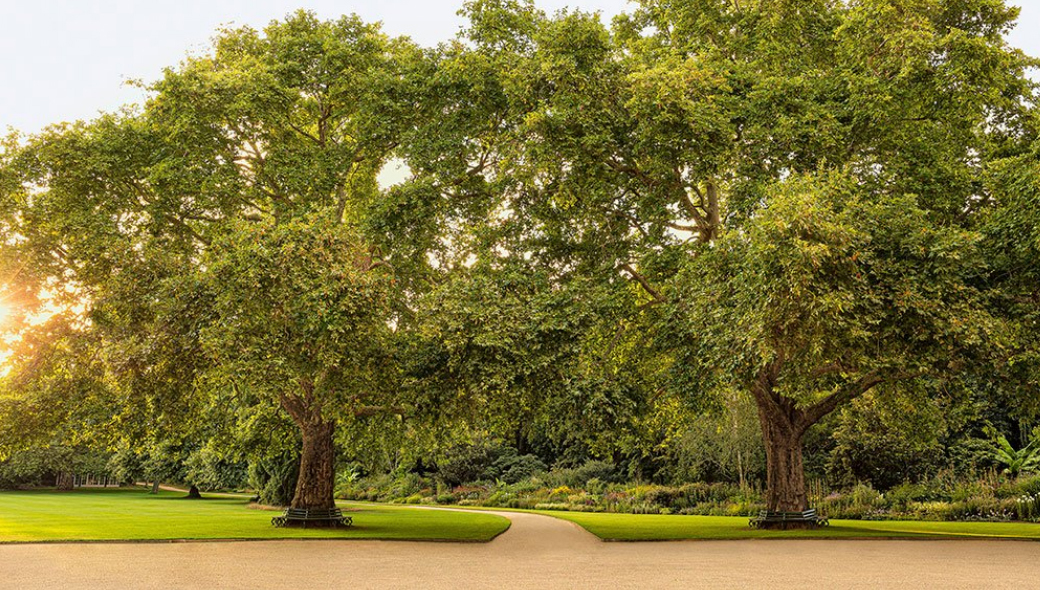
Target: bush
274 478
930 511
406 484
603 471
971 455
861 502
983 509
512 468
901 496
964 491
1029 486
1028 507
485 461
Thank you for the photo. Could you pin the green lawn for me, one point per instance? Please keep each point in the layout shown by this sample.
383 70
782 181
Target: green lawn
642 527
133 514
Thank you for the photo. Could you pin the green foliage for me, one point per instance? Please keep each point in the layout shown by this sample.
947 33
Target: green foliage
580 476
1016 462
41 466
485 461
295 307
887 439
274 478
466 463
514 468
721 446
853 285
209 469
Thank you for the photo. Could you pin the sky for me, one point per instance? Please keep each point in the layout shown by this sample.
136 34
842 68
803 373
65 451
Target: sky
70 59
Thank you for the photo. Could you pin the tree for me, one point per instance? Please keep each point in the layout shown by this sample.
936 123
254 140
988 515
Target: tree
823 297
274 127
746 166
301 319
1011 231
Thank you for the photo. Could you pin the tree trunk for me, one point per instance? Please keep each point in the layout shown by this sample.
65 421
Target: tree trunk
314 486
155 487
193 493
64 481
785 472
783 425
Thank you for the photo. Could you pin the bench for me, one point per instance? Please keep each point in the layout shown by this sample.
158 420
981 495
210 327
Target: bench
327 517
784 518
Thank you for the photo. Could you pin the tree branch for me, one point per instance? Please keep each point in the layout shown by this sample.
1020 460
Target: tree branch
816 412
642 280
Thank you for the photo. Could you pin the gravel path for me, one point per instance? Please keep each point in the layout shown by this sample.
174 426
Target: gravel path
537 552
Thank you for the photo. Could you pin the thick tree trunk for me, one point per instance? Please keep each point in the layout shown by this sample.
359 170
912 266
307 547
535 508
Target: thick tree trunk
783 425
155 487
314 486
785 472
193 493
65 481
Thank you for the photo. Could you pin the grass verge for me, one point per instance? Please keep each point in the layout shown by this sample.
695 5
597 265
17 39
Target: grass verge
650 527
135 515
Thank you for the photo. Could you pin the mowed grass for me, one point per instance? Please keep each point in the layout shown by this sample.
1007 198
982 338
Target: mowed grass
647 527
135 515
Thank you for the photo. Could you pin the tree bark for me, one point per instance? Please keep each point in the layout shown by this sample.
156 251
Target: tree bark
155 487
193 493
785 471
783 425
64 481
314 486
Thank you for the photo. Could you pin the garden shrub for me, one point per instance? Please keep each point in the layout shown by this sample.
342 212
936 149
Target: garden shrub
1029 486
603 471
468 463
942 497
963 491
512 468
274 478
1028 507
446 499
901 496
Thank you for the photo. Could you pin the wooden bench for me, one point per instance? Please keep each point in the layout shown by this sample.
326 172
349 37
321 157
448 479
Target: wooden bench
784 518
327 517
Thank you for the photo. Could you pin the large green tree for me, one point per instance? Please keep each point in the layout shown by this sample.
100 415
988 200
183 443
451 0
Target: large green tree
135 218
301 319
793 187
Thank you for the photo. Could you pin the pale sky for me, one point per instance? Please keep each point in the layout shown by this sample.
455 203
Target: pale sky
68 59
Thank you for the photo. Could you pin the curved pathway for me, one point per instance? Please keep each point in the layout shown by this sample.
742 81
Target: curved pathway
536 552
